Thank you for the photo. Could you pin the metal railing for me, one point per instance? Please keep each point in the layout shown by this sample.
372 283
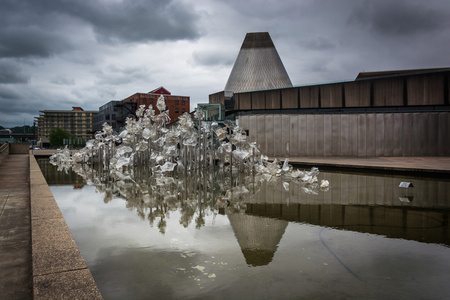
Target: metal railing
4 147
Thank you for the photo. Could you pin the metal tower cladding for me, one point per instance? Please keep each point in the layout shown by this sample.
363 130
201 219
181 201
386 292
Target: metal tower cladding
258 66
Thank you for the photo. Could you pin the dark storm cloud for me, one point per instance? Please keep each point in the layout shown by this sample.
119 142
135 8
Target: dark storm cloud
33 41
29 29
14 99
140 21
15 110
399 18
10 72
42 28
8 94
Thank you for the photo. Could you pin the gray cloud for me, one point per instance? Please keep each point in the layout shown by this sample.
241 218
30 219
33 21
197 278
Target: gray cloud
34 42
317 43
114 75
21 103
62 53
42 28
10 72
133 21
8 94
15 110
63 81
29 29
399 18
207 58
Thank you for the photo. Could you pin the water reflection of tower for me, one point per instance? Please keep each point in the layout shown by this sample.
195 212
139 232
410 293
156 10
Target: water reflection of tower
258 237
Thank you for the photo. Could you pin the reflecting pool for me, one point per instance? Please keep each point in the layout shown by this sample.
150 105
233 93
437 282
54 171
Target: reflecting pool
365 238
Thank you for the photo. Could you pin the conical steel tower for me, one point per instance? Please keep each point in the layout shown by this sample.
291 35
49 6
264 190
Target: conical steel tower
258 66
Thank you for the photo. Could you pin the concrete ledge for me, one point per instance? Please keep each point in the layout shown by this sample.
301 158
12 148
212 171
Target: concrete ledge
59 270
424 165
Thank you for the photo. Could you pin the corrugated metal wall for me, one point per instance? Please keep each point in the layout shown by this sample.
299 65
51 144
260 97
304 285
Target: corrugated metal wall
352 135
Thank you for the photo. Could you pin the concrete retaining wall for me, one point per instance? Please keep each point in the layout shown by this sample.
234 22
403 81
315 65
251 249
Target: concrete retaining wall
19 148
59 270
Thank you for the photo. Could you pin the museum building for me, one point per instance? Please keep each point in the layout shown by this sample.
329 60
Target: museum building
386 113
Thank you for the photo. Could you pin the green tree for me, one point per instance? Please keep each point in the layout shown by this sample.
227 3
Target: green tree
22 129
57 136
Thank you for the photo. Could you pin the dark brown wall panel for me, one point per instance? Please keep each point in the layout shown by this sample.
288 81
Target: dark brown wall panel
217 98
273 99
309 96
426 89
388 92
289 98
331 95
245 101
357 94
236 101
258 100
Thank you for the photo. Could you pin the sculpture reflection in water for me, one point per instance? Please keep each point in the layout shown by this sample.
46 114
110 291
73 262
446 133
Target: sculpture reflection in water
196 166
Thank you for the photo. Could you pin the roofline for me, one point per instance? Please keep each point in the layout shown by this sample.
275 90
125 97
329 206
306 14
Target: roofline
374 74
171 95
70 111
161 87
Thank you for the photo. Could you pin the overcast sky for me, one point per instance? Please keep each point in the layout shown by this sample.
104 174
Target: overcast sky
55 54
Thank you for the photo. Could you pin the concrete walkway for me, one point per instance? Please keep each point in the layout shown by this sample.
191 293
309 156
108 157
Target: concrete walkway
15 228
38 257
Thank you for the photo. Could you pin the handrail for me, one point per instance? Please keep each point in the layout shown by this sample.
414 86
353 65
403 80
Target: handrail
5 146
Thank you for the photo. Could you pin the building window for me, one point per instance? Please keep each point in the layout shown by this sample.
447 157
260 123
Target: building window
176 110
183 110
107 117
176 102
113 116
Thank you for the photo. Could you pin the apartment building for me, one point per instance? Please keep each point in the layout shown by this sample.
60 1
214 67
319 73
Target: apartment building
76 121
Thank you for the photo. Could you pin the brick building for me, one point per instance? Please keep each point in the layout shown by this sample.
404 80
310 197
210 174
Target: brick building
177 105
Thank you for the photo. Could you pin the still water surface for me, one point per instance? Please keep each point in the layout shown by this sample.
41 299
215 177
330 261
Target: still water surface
365 238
